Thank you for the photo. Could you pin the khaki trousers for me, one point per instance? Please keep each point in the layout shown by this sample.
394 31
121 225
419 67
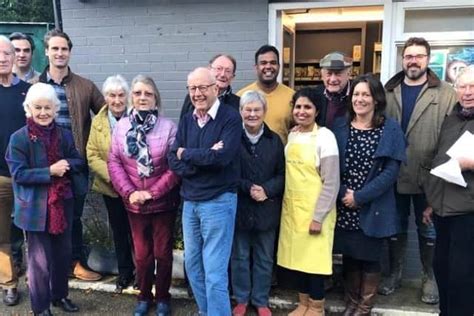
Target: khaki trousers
8 278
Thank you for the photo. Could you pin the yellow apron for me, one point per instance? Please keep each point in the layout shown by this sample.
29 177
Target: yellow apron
297 249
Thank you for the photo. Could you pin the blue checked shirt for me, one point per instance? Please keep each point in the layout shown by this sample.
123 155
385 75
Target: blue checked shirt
63 119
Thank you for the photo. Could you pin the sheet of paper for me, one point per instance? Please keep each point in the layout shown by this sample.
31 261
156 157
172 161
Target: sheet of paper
463 147
451 172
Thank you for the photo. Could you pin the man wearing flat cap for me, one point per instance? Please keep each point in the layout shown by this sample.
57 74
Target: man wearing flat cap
333 95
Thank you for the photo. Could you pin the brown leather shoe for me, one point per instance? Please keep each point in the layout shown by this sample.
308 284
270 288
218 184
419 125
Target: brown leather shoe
81 273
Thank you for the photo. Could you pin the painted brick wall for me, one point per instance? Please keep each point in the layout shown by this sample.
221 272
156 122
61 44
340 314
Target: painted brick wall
163 38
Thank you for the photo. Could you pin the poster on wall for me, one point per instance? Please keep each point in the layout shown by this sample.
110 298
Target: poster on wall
438 62
447 62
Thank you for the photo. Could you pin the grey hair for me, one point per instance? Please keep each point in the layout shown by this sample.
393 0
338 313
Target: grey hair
150 82
114 83
5 39
251 96
203 70
467 70
40 91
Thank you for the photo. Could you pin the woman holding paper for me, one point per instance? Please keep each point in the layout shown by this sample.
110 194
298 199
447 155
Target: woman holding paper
371 148
453 207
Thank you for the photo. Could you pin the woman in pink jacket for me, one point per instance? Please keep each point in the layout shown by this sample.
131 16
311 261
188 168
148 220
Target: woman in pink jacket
139 173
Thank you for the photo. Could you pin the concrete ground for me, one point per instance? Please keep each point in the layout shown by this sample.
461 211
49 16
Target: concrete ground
97 298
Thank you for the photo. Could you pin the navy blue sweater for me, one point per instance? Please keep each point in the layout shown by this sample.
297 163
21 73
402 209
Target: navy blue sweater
12 117
208 173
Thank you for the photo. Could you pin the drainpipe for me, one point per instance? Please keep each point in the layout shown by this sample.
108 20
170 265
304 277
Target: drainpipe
58 21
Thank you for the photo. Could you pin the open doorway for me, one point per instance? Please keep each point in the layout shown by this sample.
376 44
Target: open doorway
354 31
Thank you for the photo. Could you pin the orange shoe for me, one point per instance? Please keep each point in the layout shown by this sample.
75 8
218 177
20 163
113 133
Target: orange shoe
239 310
81 273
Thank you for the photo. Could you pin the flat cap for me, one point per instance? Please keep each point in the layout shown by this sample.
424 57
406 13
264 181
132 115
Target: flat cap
335 61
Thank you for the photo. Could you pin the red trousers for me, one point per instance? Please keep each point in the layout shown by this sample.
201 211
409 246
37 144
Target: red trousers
153 242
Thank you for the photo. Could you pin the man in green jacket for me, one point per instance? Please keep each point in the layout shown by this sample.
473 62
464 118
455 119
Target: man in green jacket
419 101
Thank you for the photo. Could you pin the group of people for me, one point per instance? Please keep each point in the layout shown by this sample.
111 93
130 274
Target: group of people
265 175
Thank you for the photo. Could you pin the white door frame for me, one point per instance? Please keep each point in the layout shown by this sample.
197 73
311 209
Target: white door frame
275 36
393 21
436 38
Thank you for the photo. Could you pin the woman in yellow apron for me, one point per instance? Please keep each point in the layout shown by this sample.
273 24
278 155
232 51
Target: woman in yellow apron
309 215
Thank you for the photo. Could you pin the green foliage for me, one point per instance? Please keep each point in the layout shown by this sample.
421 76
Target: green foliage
95 221
178 231
26 11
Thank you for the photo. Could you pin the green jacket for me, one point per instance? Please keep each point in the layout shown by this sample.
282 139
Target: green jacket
98 151
435 101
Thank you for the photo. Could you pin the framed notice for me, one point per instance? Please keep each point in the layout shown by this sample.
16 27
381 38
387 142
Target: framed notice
447 62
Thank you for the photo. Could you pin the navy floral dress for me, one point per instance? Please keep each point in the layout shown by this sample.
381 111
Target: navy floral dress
359 159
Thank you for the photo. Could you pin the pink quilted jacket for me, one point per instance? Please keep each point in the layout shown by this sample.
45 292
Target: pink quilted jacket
162 184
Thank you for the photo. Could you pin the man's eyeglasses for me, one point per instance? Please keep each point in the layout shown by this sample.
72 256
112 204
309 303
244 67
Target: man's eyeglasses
418 57
226 71
202 88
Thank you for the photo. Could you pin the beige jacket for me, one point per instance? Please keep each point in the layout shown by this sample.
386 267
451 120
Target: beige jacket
435 101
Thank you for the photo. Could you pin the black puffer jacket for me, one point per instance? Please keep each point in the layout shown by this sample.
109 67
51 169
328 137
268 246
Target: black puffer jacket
262 164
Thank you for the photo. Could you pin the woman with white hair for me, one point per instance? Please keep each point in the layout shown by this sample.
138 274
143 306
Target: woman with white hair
262 162
42 158
115 90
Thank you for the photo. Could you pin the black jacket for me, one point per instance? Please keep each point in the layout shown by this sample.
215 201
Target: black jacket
448 199
262 164
322 106
227 98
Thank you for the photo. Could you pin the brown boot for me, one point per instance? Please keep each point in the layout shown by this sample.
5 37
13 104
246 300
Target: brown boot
316 308
302 305
81 273
368 292
352 281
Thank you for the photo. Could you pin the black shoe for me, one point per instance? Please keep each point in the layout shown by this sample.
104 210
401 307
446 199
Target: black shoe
122 283
44 313
19 269
66 305
11 297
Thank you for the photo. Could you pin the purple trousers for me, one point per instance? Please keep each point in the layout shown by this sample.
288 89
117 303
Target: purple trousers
153 241
49 260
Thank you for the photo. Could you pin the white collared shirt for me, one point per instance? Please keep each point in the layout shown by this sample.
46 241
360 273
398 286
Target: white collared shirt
210 114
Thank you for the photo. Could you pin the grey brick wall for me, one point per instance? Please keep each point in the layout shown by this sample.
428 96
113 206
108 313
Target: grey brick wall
165 39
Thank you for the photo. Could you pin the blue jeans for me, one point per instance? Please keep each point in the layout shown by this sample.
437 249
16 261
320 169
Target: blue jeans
252 282
208 229
404 202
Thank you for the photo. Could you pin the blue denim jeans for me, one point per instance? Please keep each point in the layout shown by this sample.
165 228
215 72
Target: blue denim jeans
208 229
252 282
404 202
